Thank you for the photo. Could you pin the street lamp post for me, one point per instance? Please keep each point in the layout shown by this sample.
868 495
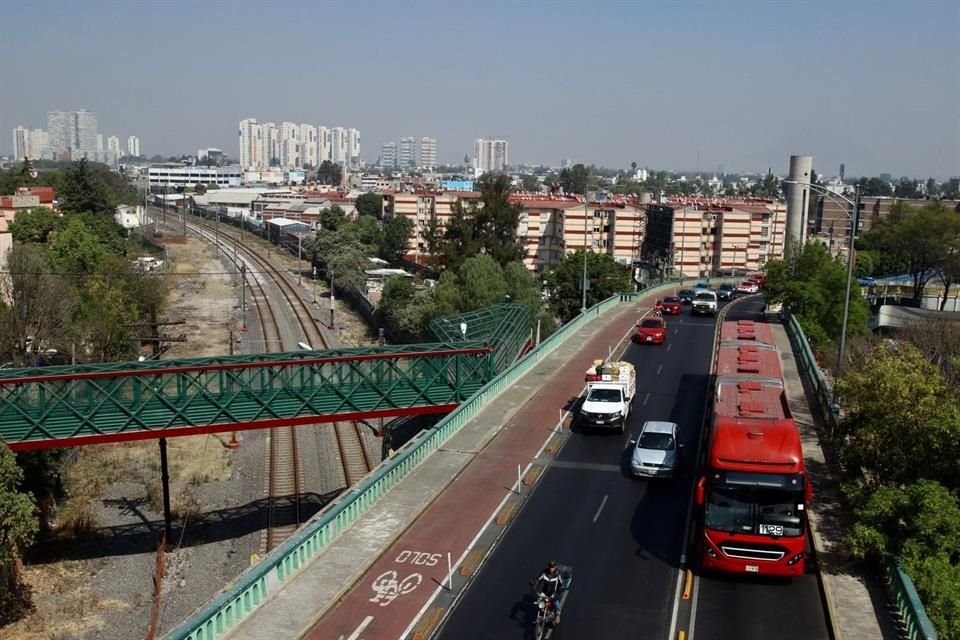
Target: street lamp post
854 218
583 281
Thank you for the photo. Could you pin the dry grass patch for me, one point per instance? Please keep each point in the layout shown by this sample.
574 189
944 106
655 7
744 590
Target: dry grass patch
65 606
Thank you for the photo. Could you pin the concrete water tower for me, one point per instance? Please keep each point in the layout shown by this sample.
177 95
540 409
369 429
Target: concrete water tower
798 202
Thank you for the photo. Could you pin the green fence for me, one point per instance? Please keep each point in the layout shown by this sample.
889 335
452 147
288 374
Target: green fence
916 625
259 582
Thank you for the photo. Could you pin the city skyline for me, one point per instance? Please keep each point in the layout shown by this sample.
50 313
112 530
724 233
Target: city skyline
688 85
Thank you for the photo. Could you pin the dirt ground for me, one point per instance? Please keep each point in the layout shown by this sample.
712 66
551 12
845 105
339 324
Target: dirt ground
202 292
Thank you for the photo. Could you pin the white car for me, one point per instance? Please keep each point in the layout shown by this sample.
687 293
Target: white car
748 287
656 452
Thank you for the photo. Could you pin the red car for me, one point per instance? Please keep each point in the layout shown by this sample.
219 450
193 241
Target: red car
651 331
671 306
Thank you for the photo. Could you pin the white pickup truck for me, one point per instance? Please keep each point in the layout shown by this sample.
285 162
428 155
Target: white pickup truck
611 387
705 302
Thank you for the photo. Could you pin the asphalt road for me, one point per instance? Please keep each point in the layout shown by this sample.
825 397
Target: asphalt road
735 608
622 536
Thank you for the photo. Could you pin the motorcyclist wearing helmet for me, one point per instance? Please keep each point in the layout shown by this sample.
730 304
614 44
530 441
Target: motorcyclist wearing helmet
658 308
549 585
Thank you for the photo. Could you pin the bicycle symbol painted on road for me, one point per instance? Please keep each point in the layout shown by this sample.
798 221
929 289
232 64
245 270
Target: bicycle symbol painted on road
387 588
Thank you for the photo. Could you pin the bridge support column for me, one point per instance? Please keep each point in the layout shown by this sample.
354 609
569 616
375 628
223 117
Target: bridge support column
165 480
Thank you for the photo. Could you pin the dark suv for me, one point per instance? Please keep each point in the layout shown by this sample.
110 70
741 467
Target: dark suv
725 292
686 295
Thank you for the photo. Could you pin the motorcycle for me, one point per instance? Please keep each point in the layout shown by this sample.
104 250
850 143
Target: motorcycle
544 625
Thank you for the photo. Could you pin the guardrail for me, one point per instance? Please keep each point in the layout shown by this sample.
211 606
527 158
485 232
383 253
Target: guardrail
914 621
254 586
913 617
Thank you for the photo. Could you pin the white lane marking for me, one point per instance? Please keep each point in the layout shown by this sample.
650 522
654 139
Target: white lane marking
426 605
602 504
659 369
363 625
645 398
669 345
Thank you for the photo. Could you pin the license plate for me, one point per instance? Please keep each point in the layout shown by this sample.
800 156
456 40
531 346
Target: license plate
753 568
649 338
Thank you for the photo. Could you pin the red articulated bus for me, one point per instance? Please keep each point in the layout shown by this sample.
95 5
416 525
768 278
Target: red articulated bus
754 489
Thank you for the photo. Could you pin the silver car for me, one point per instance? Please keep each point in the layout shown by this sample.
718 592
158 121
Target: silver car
656 453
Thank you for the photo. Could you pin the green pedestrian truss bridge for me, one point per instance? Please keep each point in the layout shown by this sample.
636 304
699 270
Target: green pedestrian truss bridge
64 406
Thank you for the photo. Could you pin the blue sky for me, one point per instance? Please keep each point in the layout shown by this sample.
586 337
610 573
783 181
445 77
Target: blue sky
666 84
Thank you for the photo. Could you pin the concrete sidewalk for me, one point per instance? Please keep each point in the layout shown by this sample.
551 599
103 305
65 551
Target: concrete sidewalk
318 587
855 601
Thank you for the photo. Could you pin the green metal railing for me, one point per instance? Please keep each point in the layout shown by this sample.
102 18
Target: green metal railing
916 624
64 405
505 328
253 587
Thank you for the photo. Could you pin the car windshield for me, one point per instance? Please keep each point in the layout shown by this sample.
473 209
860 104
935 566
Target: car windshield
726 287
704 296
773 512
651 323
656 441
604 395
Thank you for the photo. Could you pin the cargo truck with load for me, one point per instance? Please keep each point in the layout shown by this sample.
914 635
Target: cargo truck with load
611 387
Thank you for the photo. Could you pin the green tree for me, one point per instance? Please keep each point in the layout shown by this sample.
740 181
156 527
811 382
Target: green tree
18 528
920 525
529 182
460 236
370 204
874 187
907 188
332 218
83 191
367 230
497 220
396 237
932 188
574 179
815 292
480 283
922 238
76 250
769 187
897 396
329 173
404 311
34 304
35 225
605 276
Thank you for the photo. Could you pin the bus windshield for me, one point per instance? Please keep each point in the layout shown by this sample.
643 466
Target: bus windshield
757 511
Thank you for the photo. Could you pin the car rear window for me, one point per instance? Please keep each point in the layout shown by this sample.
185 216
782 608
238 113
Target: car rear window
656 441
671 299
652 323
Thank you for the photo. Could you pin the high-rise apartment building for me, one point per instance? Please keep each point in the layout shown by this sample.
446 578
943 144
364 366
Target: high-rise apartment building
251 144
428 153
59 127
408 153
291 145
353 147
21 143
86 132
489 155
99 142
113 146
133 146
388 155
308 146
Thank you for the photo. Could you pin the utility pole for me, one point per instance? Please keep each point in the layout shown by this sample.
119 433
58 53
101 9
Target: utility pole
216 233
243 293
854 222
314 284
333 325
299 259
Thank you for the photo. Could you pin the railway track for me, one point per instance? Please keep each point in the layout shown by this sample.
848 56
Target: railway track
284 478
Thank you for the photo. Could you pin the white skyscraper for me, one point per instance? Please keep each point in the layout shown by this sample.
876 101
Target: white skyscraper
60 128
428 153
21 143
86 133
99 142
324 145
408 153
73 131
270 154
308 145
489 155
388 155
289 145
338 145
133 146
113 146
251 144
38 144
353 147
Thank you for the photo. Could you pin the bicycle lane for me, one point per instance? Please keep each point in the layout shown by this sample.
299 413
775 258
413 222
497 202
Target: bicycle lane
399 585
